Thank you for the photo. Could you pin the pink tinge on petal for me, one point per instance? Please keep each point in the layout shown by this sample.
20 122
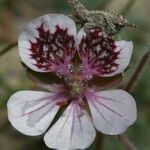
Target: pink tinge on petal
112 111
73 130
99 54
53 52
31 112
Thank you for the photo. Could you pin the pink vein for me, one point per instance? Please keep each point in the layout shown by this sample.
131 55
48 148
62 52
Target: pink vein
44 105
99 112
72 128
111 99
112 110
65 120
36 109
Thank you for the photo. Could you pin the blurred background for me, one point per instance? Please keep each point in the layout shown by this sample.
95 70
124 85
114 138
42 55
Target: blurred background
15 14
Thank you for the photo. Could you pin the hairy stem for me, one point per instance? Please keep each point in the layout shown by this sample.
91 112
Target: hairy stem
8 48
125 142
99 141
137 72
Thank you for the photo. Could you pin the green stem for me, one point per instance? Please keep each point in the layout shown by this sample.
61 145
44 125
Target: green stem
8 48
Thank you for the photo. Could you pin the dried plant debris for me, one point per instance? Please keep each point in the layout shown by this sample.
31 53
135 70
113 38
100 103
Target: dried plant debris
108 21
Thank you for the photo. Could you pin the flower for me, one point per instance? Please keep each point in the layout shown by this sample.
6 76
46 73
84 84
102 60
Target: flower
51 43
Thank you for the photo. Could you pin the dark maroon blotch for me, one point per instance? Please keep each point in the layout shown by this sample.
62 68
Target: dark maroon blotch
51 50
99 50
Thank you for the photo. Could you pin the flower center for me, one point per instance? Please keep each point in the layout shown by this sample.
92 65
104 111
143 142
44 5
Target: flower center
76 88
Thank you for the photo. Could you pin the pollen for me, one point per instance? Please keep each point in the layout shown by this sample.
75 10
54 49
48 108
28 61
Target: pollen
76 88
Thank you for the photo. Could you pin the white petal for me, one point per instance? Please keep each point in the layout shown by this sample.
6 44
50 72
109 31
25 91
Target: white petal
31 112
81 34
73 130
112 111
30 34
124 57
101 55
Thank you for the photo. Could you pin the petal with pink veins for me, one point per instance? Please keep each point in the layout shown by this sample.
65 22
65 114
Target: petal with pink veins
73 130
112 111
101 55
31 112
47 43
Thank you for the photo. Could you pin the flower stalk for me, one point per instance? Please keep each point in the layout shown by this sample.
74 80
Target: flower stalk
137 72
99 141
125 142
8 48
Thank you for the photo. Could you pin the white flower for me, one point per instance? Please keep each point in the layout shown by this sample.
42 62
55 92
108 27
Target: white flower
51 44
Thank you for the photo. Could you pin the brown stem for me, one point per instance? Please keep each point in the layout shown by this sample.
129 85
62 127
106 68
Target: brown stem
137 71
99 141
125 142
6 49
123 139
